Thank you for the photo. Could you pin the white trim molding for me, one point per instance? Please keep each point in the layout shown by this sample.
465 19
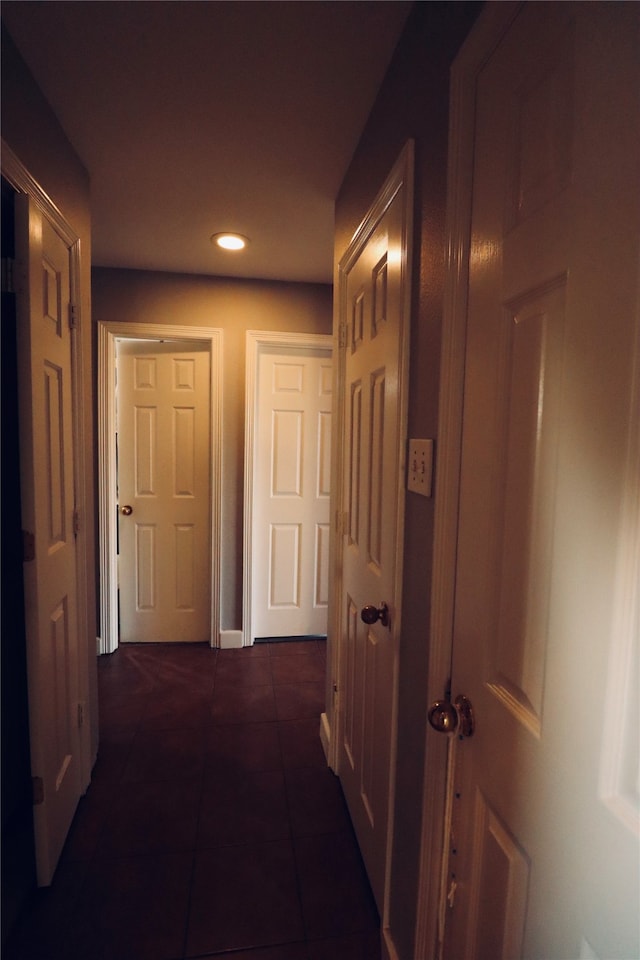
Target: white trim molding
108 332
256 342
230 639
325 735
19 177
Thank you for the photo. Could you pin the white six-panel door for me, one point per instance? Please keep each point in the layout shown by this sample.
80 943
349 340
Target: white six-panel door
543 856
374 325
292 469
163 488
45 357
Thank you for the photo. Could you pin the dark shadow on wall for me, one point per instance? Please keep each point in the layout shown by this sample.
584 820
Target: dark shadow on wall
18 860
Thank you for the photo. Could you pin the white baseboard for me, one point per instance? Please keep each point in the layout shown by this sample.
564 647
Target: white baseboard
230 639
387 945
325 735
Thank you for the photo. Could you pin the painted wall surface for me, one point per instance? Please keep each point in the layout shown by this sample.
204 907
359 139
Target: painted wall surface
33 133
413 103
234 306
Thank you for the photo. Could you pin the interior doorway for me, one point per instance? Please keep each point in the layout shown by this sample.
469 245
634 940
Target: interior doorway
287 473
108 335
164 498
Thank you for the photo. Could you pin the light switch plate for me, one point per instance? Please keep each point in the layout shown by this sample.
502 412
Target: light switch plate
420 467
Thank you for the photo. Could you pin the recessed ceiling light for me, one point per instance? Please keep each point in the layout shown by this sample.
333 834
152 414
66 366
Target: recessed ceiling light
230 241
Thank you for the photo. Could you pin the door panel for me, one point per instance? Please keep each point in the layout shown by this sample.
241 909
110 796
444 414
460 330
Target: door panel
530 377
321 566
164 476
291 493
375 325
45 358
537 864
499 883
284 563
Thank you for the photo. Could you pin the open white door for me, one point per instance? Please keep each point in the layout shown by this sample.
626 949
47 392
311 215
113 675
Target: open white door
292 468
45 358
543 853
374 325
164 451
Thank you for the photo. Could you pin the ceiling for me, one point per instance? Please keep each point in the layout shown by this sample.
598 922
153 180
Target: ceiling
197 117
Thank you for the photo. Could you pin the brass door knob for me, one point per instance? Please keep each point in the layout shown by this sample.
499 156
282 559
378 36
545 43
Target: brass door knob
371 614
126 510
443 716
446 717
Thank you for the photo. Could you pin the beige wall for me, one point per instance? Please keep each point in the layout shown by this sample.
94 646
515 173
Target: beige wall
233 306
33 133
413 103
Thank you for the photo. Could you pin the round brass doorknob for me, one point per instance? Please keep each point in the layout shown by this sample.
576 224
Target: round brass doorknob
370 614
443 716
446 717
126 510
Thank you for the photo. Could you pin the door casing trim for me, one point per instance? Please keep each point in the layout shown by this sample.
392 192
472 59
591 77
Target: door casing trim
256 342
108 331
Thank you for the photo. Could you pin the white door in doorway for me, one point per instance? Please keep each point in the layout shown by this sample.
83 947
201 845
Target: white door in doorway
374 324
292 469
45 358
164 451
543 851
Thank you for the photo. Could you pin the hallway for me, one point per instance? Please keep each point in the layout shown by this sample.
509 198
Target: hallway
212 825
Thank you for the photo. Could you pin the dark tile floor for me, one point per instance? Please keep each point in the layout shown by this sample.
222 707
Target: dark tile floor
212 825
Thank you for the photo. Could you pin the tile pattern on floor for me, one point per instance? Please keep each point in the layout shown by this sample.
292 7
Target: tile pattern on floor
212 826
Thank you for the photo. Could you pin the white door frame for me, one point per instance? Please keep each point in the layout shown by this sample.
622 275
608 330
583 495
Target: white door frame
256 342
485 35
108 332
21 180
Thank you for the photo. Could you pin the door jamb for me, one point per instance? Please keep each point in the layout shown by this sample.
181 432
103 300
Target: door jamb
257 341
431 892
108 331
